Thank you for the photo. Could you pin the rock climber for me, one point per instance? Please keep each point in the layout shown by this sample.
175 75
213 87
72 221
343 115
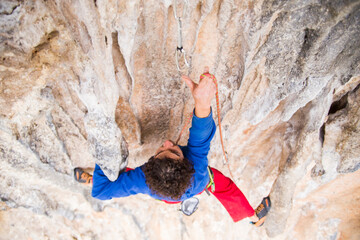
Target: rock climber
176 173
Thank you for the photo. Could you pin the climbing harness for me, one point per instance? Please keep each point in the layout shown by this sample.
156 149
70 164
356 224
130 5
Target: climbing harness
180 49
211 182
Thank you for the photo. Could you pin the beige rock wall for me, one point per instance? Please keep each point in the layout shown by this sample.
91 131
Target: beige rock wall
96 81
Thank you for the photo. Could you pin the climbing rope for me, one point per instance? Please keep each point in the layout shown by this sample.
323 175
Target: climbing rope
226 162
180 49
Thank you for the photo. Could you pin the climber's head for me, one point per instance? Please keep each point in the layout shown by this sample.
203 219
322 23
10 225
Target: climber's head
169 150
168 173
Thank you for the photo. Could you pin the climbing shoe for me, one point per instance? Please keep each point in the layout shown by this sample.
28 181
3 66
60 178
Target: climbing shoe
261 211
82 177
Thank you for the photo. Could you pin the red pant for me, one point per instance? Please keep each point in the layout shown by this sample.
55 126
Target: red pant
229 196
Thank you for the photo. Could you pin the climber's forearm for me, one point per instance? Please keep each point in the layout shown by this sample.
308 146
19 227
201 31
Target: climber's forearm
128 183
202 111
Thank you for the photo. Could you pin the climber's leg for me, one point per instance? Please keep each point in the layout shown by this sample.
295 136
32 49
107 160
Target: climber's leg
83 177
231 197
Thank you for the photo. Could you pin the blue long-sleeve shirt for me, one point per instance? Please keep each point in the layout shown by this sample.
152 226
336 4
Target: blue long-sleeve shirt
133 181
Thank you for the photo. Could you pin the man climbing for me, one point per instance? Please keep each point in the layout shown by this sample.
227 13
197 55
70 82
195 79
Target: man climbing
176 173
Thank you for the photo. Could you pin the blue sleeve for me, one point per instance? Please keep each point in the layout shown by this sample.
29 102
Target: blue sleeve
202 132
128 183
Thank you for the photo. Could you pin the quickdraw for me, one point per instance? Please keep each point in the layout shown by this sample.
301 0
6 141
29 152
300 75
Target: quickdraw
180 49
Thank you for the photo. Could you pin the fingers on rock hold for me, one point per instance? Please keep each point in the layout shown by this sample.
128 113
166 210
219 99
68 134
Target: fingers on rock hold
188 81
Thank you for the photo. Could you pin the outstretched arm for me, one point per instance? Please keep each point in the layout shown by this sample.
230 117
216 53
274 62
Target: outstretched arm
203 126
128 183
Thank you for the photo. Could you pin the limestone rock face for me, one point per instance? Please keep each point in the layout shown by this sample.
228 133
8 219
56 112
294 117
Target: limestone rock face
85 82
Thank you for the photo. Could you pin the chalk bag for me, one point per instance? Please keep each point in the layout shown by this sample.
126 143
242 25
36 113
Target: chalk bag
189 206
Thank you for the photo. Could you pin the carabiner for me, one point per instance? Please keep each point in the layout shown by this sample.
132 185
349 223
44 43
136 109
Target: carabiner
180 49
175 12
178 53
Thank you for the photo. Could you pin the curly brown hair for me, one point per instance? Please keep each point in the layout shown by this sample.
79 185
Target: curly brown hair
168 177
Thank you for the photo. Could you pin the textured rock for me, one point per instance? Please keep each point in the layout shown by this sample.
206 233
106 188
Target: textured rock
347 146
84 82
